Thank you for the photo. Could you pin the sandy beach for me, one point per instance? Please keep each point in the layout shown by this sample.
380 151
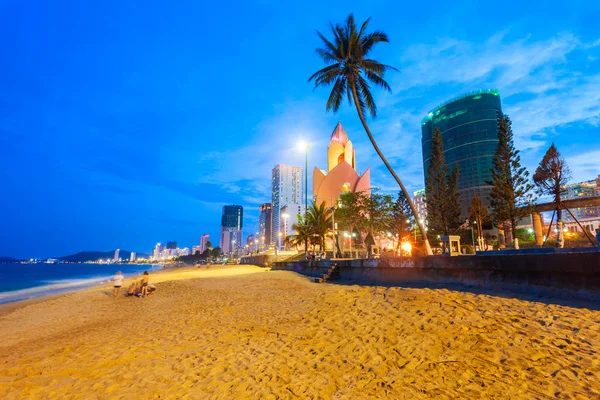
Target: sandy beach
246 332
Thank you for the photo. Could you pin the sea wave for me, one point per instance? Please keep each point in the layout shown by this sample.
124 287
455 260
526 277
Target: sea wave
50 287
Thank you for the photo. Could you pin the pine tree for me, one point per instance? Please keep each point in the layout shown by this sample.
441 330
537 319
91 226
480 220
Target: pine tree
511 196
452 206
443 206
550 177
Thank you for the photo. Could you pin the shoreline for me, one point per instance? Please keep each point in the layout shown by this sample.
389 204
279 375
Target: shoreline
10 306
70 284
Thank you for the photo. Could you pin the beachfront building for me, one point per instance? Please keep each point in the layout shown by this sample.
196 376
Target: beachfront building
116 257
158 250
420 204
287 190
197 250
204 239
469 126
588 217
288 219
265 221
232 220
132 256
341 175
171 245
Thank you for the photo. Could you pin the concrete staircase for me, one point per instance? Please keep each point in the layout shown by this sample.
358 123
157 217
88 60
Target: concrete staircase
332 273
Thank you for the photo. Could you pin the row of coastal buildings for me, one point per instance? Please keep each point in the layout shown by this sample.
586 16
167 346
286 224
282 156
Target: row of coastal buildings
469 126
289 198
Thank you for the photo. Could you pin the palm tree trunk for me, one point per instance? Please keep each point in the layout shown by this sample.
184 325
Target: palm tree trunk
389 167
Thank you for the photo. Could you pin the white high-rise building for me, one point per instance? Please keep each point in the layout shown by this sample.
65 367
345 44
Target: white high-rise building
288 190
204 239
132 256
158 251
231 240
419 201
116 257
196 249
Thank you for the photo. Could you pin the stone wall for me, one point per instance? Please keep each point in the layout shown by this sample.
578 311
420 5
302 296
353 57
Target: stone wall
564 274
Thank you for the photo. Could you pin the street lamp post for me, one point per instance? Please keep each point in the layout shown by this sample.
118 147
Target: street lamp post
285 218
304 146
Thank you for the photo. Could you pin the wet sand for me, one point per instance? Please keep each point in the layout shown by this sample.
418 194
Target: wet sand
244 332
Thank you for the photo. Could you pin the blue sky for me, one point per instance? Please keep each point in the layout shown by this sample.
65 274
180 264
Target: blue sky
127 123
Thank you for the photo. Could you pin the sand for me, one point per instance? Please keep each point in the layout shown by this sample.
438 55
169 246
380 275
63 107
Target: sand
245 332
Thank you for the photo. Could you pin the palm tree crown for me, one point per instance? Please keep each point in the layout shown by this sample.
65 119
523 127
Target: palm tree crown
349 68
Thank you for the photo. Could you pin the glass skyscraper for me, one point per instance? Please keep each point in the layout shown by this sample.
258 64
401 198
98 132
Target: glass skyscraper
469 126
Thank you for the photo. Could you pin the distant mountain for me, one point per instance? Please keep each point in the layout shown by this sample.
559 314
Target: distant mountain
7 259
84 256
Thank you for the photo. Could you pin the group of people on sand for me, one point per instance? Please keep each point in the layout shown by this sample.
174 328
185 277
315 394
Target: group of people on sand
139 288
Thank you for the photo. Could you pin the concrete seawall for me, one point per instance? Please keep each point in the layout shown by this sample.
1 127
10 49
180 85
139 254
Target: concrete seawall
568 275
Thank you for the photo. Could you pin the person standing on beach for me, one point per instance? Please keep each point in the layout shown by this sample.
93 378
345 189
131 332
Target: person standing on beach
118 282
145 280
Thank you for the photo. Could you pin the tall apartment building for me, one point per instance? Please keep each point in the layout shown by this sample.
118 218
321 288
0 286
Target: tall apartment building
232 220
265 224
204 239
420 204
288 190
469 126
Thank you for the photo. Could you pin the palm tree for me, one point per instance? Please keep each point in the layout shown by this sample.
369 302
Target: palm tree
318 220
302 235
350 70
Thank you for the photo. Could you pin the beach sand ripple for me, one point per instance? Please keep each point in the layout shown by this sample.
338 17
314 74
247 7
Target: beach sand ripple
258 334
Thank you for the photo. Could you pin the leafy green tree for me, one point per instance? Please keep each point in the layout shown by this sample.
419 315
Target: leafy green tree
511 194
402 219
443 206
350 214
350 71
551 177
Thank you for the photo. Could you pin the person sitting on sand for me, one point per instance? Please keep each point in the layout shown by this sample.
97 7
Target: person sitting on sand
132 289
145 280
118 282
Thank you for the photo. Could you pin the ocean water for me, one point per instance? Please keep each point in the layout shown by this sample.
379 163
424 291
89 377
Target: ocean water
26 281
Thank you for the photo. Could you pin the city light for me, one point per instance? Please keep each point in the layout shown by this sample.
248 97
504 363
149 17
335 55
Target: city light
302 145
407 247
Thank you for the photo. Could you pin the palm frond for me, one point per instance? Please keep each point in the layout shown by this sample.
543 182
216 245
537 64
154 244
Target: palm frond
326 75
337 92
328 56
376 66
376 79
364 27
332 48
371 39
367 96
